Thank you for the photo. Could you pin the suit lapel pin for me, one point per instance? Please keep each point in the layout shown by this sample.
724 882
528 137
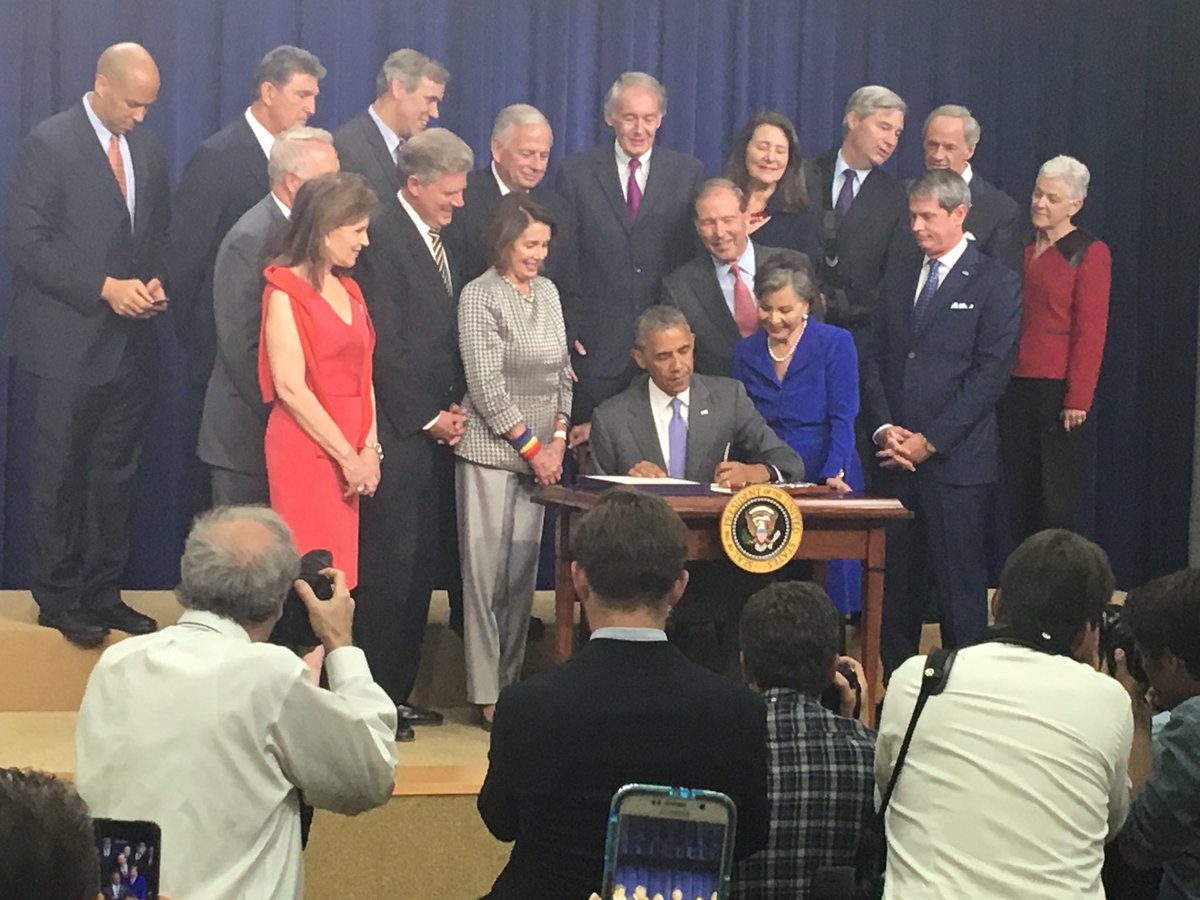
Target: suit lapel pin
704 412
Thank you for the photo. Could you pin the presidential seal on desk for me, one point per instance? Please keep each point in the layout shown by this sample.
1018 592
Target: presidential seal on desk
761 528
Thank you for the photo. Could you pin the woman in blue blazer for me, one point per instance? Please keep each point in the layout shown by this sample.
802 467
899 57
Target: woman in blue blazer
803 378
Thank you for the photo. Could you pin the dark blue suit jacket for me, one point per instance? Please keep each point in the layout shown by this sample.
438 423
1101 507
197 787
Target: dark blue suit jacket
944 379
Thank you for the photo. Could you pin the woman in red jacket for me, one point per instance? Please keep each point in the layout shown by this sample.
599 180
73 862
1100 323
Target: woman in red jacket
1044 413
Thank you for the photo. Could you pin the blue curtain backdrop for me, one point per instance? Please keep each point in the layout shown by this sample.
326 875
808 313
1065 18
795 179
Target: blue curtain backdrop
1113 83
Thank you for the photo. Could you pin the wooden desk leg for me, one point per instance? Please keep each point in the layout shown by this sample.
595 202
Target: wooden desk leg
820 571
872 617
564 591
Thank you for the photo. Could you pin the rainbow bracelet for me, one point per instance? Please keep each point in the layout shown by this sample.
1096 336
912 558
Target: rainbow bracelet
526 443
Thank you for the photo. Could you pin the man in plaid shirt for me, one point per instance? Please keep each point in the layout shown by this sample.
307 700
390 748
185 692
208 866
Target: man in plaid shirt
820 764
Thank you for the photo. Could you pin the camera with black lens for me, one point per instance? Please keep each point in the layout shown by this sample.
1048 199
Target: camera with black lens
1115 634
831 698
293 628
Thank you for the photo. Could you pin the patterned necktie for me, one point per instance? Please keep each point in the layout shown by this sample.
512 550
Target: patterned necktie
744 312
676 440
846 196
117 164
439 256
927 292
633 192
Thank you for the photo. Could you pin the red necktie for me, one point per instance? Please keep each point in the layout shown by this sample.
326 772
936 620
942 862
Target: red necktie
118 164
633 192
744 311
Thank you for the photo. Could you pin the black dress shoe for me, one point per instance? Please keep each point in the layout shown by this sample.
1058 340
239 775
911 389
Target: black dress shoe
537 628
404 732
77 626
418 715
123 618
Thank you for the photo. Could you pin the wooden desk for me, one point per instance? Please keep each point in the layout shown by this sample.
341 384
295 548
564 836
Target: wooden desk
835 527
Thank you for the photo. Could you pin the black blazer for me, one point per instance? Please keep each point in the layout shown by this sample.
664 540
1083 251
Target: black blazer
464 237
873 234
622 263
417 367
68 229
945 379
694 289
994 219
618 712
226 175
361 149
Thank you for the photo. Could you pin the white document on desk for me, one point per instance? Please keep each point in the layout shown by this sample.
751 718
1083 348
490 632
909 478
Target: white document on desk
632 479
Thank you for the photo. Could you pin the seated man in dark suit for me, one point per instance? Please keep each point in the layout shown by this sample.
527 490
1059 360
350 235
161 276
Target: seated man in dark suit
521 141
234 421
628 708
944 345
950 137
408 89
716 289
698 427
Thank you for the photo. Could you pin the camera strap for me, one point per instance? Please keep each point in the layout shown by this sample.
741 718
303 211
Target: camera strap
933 681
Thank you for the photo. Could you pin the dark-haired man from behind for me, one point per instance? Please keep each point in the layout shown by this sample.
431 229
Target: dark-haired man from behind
820 778
1024 754
47 849
629 707
1164 821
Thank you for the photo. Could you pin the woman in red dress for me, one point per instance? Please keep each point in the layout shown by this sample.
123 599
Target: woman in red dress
1044 413
314 365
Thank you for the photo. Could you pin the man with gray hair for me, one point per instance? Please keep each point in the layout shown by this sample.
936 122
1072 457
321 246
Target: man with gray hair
410 281
521 141
226 175
234 422
631 202
408 89
229 731
942 351
949 139
865 223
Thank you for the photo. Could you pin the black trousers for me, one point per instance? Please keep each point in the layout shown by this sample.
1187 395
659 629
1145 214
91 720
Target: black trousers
943 546
230 488
85 448
1042 461
408 543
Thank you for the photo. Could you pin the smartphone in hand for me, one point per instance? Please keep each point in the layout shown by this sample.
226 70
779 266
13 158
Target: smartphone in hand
130 858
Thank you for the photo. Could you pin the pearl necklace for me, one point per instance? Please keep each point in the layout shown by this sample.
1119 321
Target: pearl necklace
524 293
795 344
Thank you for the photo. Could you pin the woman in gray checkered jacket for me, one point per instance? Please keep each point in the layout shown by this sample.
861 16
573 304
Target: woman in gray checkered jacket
518 402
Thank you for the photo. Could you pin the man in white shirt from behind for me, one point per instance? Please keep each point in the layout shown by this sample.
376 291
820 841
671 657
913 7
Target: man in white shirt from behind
1017 772
227 730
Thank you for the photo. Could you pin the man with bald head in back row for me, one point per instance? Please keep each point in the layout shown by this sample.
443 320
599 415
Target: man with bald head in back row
88 217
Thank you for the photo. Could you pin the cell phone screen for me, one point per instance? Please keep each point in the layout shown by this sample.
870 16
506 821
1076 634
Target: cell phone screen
129 858
674 850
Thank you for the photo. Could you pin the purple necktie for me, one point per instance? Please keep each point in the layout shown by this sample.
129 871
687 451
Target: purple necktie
633 193
676 440
846 196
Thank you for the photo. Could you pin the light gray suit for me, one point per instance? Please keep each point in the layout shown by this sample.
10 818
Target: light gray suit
235 418
720 414
693 288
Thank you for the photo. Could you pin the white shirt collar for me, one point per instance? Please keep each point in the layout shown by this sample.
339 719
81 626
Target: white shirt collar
660 399
283 207
968 173
623 158
265 139
102 131
200 618
421 225
950 258
505 190
390 138
628 633
841 166
745 263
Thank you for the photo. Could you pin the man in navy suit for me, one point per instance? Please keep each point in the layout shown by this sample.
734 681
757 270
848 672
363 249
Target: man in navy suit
949 140
944 344
88 214
631 204
408 89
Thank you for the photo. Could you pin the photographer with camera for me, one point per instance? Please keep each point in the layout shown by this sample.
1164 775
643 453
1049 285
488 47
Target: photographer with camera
820 781
1015 776
1163 619
228 730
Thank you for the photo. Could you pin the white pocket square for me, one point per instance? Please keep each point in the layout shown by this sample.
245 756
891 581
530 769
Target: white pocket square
958 304
704 412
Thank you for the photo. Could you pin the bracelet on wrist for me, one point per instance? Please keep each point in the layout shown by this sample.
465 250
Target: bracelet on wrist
526 443
376 446
560 435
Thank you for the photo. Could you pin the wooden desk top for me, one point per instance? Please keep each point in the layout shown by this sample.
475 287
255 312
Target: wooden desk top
823 503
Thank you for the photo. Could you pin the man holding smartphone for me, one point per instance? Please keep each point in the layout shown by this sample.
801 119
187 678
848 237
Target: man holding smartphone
228 731
628 708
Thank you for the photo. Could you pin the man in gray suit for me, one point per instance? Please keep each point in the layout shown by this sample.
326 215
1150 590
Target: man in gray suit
235 418
630 200
715 291
699 427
